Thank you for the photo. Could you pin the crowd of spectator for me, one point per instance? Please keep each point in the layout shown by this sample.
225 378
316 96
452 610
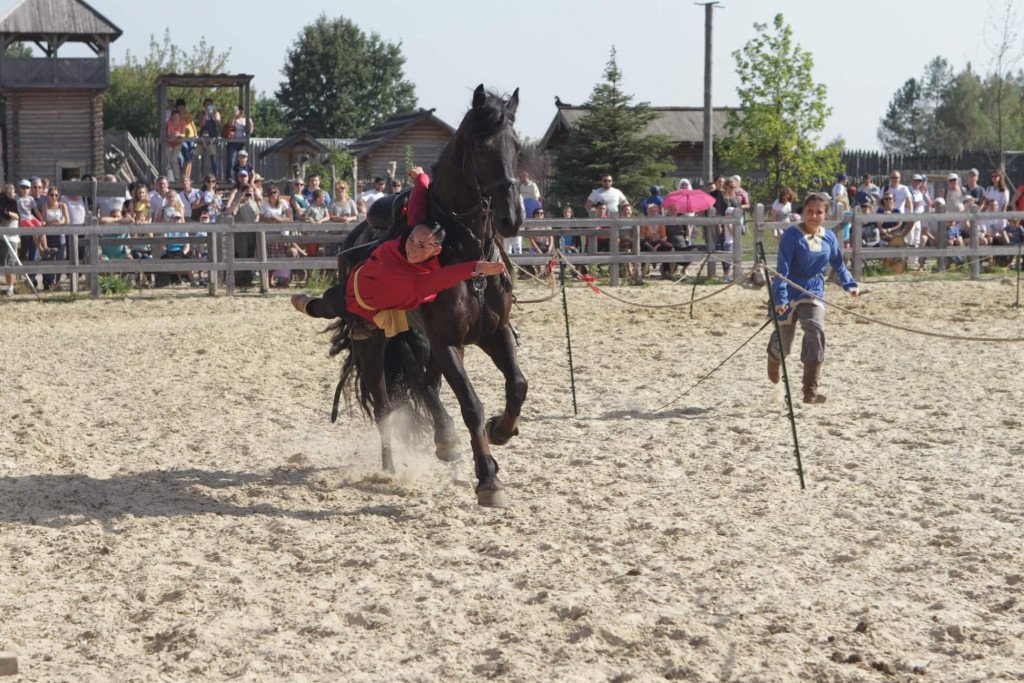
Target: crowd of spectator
900 203
299 206
897 202
608 201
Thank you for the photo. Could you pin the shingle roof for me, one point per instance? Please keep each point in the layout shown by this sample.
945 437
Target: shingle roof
39 19
298 140
681 124
377 135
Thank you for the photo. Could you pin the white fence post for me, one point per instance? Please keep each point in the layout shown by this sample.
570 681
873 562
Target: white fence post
229 254
856 238
613 249
975 267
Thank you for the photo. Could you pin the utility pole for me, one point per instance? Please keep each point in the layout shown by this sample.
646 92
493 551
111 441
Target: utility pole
709 8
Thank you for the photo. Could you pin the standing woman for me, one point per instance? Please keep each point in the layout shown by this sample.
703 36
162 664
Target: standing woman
238 129
805 250
53 247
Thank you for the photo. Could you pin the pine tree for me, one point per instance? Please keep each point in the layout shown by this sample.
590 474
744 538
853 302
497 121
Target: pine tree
904 126
610 138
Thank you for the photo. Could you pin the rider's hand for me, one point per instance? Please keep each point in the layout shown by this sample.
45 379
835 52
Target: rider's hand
779 310
489 268
415 172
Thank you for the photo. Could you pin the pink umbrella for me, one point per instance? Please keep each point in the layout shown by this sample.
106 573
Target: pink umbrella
688 201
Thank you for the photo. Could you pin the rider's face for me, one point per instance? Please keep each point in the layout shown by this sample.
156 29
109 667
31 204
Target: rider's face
421 245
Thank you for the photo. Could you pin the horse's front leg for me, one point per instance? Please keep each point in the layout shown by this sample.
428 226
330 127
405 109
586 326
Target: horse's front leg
501 347
489 489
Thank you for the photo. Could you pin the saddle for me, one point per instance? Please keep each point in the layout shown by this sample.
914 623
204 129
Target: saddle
388 211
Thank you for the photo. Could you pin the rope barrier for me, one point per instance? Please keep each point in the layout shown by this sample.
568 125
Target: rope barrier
911 330
662 306
701 380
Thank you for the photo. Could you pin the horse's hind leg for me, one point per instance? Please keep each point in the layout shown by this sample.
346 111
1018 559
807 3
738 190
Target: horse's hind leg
501 348
447 445
372 374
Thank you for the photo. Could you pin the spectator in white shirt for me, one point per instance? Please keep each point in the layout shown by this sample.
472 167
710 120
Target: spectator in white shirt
610 196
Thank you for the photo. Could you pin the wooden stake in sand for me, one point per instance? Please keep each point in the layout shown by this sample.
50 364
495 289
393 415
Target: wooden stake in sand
8 664
782 356
568 338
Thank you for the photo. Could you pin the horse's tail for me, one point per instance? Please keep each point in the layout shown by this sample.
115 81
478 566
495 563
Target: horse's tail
405 361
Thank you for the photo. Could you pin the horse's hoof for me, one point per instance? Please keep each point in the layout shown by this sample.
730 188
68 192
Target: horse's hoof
492 498
497 437
448 452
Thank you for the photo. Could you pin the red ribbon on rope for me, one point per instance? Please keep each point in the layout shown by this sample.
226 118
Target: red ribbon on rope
589 279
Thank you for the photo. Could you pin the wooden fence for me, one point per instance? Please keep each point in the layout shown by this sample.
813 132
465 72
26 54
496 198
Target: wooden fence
217 242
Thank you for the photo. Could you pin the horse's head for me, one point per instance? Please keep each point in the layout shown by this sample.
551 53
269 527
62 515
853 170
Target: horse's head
497 148
477 172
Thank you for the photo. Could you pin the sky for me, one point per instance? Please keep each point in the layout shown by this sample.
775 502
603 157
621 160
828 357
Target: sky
546 48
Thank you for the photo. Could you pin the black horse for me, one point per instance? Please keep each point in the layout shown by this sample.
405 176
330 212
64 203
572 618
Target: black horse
472 195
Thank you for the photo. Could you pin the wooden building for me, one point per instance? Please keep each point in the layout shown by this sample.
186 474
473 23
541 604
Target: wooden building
419 130
683 125
54 105
298 148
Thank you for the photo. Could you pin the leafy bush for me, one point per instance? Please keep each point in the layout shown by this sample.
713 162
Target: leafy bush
113 284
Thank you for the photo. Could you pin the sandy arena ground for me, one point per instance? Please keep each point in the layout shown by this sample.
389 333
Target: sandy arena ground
175 505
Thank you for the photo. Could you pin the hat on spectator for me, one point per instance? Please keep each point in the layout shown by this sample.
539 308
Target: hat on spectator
952 176
918 176
842 176
736 179
973 171
655 189
684 184
25 183
242 153
256 177
244 172
862 198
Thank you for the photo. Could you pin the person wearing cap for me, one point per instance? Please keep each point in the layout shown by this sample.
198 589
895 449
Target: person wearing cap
976 191
805 251
240 162
954 193
399 275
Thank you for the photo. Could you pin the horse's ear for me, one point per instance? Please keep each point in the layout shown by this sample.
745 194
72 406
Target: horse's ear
513 102
479 96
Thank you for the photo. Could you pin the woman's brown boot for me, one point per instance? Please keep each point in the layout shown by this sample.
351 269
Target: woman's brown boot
812 372
774 367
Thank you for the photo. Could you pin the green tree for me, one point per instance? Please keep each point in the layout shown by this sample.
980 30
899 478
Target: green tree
18 51
268 114
130 102
904 127
339 82
782 112
960 117
610 138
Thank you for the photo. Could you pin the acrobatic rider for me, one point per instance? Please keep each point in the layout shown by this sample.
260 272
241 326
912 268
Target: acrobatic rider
398 276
